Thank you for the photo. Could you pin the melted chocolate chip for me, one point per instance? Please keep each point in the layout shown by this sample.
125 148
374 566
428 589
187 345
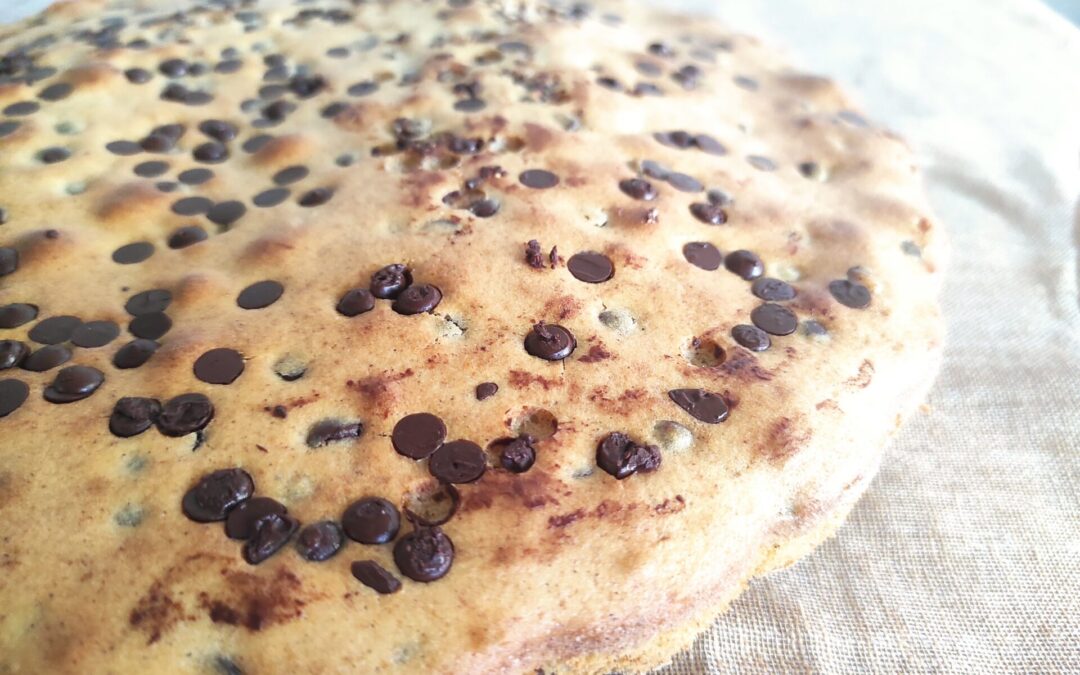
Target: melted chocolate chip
774 319
95 334
290 174
621 457
356 301
316 197
150 326
260 294
123 148
138 75
245 517
319 541
745 264
22 108
185 414
684 183
219 366
12 353
74 383
709 144
708 213
8 127
191 206
224 214
147 302
270 198
371 520
17 314
751 337
484 208
591 267
850 294
638 188
133 415
256 143
703 254
13 394
375 577
761 163
134 353
425 554
9 261
47 358
418 435
702 405
218 130
773 290
54 330
458 462
486 390
538 179
186 236
195 176
391 280
550 342
53 155
151 169
332 431
518 455
417 299
271 534
211 153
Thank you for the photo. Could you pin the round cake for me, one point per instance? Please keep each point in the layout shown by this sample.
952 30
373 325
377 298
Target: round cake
431 336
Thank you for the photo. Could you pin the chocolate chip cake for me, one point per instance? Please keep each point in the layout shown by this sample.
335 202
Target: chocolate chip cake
430 336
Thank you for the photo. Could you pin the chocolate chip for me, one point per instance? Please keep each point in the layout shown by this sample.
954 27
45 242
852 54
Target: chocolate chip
185 414
621 457
8 127
703 254
375 577
533 255
638 188
761 163
773 290
244 518
216 493
74 383
219 366
356 301
53 155
333 110
167 186
417 299
256 143
271 197
591 267
228 66
425 554
95 334
850 294
316 197
683 182
708 213
774 319
751 337
709 144
22 108
550 342
138 75
271 534
224 214
133 415
418 435
16 314
211 153
151 169
218 130
371 520
186 236
195 176
277 111
486 390
148 302
538 179
260 294
56 92
12 353
331 431
150 326
55 329
290 174
654 170
47 358
702 405
13 394
319 541
157 142
484 208
458 462
134 353
173 67
745 264
518 455
191 206
9 261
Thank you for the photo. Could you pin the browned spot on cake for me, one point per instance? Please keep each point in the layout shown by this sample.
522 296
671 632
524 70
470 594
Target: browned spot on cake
379 390
270 249
91 74
565 519
283 150
351 118
417 185
533 490
156 612
827 404
9 490
785 437
744 366
815 301
563 307
255 601
596 353
537 137
669 506
623 404
520 379
130 202
862 380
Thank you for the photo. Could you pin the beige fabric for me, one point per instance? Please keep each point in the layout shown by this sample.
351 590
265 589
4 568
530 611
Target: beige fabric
965 554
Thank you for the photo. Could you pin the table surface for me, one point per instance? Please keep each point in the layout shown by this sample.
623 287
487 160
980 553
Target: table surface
964 556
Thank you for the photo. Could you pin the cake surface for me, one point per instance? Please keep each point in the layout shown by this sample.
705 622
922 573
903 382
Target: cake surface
502 336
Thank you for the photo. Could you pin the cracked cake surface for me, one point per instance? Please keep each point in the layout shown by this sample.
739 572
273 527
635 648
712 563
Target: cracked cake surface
431 336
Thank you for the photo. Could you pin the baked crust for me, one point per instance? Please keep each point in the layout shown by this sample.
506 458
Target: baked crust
562 567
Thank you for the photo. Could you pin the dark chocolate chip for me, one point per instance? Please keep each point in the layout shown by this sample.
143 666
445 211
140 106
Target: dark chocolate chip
621 457
813 328
150 326
654 170
16 314
53 155
371 520
47 358
418 435
211 153
74 383
219 130
356 301
486 390
138 75
761 163
773 290
850 294
167 186
470 105
54 330
13 394
56 92
319 541
148 302
9 261
390 281
708 213
290 174
12 353
216 493
219 366
425 554
191 206
709 144
333 110
173 67
684 183
271 534
185 414
224 214
195 176
774 319
95 334
518 455
22 108
702 405
256 143
260 294
638 188
271 197
133 415
187 236
591 267
316 197
228 66
550 342
134 353
417 299
375 577
745 264
751 337
151 169
245 517
458 462
8 127
484 208
703 254
538 179
332 431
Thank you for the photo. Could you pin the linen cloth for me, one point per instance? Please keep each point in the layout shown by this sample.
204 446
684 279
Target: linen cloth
964 555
